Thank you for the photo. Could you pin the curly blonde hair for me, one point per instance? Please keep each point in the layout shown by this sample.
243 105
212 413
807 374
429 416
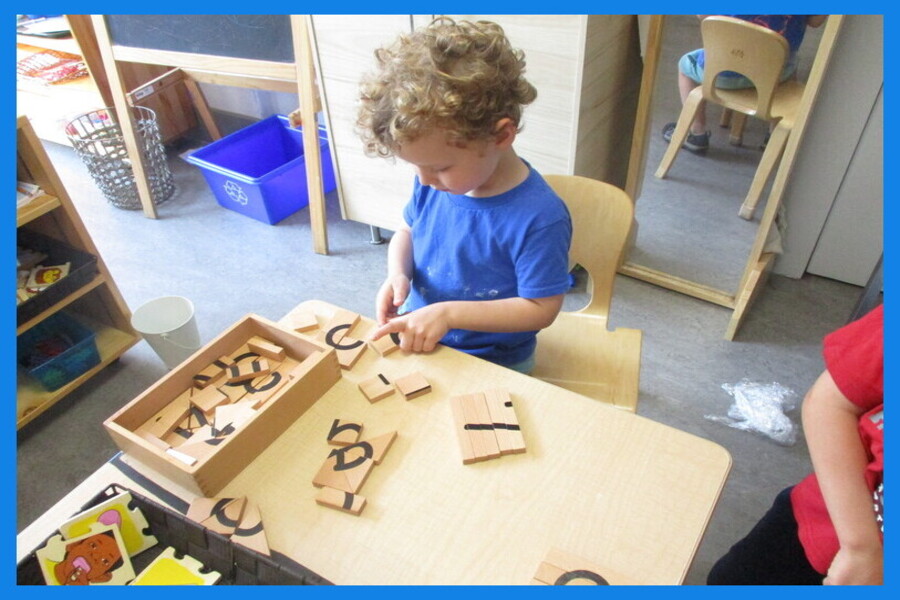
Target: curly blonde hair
462 77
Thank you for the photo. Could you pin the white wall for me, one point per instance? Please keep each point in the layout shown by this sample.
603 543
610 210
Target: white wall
848 102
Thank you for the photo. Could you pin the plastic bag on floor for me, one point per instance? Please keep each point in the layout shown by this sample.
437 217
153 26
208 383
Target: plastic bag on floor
761 407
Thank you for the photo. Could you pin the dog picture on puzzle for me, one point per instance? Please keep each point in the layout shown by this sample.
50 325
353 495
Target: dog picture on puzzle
116 511
98 557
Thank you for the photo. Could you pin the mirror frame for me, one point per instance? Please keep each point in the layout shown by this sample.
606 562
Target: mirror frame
759 263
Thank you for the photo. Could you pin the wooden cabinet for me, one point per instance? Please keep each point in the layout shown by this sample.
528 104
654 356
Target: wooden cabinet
97 304
586 69
51 107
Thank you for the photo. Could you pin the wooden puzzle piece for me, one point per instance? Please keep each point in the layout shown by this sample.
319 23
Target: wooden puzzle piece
225 515
376 388
247 370
339 325
386 344
265 348
466 446
344 433
234 391
506 424
302 322
480 427
167 419
562 568
202 443
261 389
412 385
168 569
210 374
208 398
348 351
234 415
341 500
380 445
115 511
250 532
346 468
98 557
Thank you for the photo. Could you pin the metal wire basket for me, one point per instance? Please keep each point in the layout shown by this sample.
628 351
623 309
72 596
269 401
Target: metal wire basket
98 141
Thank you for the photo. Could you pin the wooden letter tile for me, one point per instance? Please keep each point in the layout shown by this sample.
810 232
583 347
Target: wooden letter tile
412 385
225 517
302 322
341 500
210 374
250 532
480 427
167 419
562 568
346 468
264 347
338 326
246 370
344 433
386 344
208 399
376 388
380 445
466 447
348 351
506 425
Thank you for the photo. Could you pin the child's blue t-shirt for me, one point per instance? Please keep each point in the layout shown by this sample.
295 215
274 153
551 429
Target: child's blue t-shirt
515 244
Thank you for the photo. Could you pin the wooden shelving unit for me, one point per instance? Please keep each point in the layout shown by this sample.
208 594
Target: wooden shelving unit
97 304
51 107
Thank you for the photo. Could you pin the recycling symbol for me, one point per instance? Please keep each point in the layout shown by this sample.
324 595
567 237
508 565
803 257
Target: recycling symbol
235 192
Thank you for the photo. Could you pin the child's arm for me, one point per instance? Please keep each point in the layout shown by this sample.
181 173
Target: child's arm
423 328
395 289
830 422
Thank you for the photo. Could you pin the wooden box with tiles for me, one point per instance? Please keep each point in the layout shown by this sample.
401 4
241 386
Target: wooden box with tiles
209 418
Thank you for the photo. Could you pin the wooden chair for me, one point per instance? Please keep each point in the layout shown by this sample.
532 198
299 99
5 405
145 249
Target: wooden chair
577 351
759 54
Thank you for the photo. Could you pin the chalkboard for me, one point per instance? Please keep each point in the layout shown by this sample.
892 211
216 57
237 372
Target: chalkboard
257 37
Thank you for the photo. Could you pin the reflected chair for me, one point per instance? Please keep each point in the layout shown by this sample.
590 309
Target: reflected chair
759 54
577 351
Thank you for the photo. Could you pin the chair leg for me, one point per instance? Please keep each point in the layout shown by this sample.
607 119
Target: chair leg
682 128
737 129
725 119
770 158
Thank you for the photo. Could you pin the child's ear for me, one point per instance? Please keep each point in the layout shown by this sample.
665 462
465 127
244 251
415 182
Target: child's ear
505 132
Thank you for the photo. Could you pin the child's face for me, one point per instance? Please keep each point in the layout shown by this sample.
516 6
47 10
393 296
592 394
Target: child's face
447 167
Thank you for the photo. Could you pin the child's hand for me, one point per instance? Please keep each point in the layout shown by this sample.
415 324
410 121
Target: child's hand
391 296
419 330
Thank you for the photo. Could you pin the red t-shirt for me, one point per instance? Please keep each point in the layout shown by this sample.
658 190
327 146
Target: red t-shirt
854 356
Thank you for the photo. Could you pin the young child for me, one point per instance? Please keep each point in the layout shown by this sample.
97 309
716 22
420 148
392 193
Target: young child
482 263
828 528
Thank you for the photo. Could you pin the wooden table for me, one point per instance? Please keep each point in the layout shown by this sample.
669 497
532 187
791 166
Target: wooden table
616 489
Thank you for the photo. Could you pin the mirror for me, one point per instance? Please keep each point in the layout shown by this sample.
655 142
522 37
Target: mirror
689 235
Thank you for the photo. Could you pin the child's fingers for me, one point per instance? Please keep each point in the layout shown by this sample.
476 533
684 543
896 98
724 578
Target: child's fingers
392 326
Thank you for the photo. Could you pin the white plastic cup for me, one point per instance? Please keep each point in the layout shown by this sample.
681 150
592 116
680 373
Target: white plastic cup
168 325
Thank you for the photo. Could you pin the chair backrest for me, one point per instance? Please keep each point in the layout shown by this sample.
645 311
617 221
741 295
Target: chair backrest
602 215
754 51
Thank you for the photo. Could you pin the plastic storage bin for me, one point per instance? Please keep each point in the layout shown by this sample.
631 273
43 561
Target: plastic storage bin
55 370
82 269
259 171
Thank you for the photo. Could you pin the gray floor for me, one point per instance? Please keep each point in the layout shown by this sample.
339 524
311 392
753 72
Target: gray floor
230 265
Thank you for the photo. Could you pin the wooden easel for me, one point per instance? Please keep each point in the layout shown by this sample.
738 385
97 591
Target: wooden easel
296 77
